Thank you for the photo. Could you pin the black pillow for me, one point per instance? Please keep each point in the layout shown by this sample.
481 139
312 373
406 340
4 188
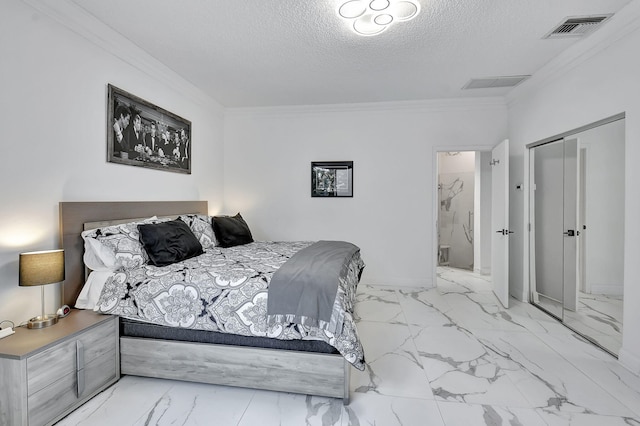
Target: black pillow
169 242
231 231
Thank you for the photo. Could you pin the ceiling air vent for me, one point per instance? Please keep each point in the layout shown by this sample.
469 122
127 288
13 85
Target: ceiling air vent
493 82
577 26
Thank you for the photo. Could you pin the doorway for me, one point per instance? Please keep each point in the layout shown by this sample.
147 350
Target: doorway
456 209
490 212
463 218
576 217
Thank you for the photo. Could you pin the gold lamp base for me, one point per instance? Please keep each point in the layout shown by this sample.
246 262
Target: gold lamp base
42 321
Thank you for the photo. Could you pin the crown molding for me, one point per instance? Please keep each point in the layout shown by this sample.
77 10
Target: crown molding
87 26
422 106
623 23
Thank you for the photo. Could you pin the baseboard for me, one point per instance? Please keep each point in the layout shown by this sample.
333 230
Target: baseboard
398 282
613 290
629 361
482 271
520 296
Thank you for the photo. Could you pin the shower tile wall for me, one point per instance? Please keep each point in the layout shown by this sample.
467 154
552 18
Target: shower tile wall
455 218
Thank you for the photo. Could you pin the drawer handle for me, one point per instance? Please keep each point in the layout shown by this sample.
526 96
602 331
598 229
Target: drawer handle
79 367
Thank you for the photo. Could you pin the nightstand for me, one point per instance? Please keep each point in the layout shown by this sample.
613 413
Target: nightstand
47 373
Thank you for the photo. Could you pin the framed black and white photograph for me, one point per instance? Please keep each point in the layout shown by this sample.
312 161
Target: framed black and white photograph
332 178
145 135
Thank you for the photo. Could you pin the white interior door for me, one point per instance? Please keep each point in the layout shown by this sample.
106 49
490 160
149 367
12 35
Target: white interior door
500 221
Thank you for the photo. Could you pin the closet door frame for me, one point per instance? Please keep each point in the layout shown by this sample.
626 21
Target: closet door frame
529 240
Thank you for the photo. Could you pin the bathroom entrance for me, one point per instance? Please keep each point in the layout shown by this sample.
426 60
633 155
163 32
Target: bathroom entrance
464 210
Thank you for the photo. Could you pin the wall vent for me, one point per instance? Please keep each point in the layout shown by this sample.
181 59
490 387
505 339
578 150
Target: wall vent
577 26
494 82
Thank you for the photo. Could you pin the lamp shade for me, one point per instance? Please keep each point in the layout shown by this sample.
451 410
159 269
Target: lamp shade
41 267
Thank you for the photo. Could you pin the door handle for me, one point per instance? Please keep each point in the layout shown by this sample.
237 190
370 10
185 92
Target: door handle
570 233
504 232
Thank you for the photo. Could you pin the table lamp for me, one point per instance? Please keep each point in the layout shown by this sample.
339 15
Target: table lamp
41 268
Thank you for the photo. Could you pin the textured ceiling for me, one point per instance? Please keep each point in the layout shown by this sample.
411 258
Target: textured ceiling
300 52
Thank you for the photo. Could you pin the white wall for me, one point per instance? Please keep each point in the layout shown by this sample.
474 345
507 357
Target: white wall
391 215
53 118
595 79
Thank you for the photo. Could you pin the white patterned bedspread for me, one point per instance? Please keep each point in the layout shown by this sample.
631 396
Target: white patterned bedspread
225 290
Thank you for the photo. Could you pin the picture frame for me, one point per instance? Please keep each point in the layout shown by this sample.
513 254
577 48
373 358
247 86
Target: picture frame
332 178
142 134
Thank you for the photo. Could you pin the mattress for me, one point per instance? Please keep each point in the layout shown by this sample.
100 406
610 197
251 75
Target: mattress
132 328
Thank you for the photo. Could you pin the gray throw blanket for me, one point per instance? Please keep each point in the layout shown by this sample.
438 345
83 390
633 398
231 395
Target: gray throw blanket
305 288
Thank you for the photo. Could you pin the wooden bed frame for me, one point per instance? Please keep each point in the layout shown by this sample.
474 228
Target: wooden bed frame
257 368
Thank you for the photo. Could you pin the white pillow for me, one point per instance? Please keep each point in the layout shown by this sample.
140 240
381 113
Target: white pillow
97 256
90 293
114 247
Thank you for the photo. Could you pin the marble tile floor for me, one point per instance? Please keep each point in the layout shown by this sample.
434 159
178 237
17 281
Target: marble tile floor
600 317
445 356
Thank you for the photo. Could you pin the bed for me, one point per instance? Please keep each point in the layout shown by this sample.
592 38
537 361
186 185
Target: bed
185 351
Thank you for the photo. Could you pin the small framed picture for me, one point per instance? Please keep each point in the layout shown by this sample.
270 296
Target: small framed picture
332 178
145 135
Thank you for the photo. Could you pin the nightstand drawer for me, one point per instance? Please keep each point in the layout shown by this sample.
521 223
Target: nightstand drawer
52 401
99 340
50 366
54 363
100 371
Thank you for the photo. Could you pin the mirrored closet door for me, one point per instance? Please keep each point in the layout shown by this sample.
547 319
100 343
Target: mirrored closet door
577 230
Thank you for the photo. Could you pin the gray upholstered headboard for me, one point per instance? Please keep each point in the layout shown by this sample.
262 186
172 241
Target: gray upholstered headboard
73 216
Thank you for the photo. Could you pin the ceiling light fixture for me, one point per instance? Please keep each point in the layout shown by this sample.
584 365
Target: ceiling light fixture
372 17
